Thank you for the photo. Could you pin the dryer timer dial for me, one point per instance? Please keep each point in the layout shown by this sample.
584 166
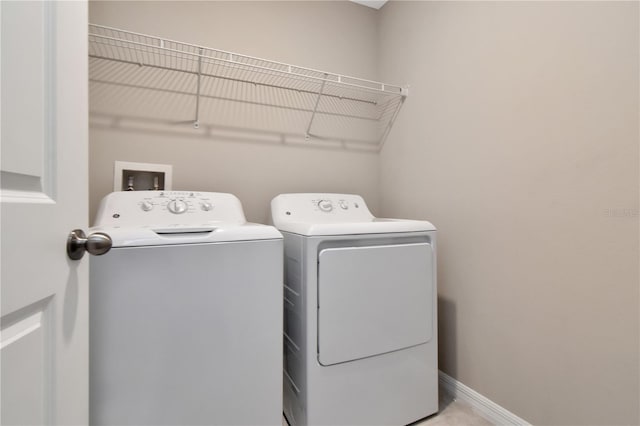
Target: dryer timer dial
325 205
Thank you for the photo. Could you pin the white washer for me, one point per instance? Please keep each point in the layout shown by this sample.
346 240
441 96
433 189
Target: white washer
185 313
360 332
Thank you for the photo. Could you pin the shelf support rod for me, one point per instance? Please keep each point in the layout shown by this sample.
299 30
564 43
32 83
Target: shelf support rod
387 129
315 108
196 123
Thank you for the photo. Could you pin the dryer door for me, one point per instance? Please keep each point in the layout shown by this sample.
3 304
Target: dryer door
373 300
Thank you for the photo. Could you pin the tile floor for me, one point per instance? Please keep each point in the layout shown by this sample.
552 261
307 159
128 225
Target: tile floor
451 413
454 413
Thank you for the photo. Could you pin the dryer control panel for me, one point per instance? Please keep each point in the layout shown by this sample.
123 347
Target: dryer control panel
320 208
132 208
334 214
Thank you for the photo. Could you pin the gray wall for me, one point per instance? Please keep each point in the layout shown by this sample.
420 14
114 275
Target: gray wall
519 140
332 36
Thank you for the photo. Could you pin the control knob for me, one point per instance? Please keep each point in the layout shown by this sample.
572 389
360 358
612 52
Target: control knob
325 205
146 206
177 206
206 206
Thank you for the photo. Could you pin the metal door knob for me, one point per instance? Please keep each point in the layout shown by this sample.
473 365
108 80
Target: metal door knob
96 244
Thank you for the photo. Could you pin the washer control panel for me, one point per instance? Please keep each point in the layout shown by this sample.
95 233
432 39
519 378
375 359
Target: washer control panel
320 208
132 208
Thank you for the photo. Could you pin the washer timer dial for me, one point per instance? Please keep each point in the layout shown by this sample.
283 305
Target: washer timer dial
177 206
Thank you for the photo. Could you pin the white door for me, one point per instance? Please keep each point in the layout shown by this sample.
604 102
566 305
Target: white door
43 196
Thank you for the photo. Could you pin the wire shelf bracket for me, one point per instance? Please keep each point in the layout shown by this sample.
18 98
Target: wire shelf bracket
196 122
307 135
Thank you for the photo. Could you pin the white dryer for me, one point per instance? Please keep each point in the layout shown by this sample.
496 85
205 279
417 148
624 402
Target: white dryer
185 313
360 332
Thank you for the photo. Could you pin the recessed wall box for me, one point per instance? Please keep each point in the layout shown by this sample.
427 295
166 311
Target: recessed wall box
129 176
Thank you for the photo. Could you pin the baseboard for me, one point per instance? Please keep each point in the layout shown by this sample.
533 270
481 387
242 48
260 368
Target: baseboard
482 405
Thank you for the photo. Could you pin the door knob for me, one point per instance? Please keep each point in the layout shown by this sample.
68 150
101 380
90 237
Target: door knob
96 244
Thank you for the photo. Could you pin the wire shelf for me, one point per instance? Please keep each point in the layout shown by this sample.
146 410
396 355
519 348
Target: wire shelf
227 89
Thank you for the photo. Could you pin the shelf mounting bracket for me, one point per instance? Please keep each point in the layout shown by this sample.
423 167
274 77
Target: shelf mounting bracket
196 122
307 136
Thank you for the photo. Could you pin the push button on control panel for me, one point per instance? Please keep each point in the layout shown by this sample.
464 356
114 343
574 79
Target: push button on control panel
325 205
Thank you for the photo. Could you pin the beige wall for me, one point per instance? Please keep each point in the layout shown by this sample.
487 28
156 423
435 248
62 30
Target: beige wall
519 140
332 36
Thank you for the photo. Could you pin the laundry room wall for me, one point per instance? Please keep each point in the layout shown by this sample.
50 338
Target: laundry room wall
333 36
519 140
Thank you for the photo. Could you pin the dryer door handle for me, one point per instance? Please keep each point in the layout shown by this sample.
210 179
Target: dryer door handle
96 244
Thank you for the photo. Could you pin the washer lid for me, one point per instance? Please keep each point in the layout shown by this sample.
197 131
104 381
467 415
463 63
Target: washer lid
140 218
150 235
334 214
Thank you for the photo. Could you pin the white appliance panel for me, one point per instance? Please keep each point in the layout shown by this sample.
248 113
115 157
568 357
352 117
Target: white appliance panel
187 335
373 300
